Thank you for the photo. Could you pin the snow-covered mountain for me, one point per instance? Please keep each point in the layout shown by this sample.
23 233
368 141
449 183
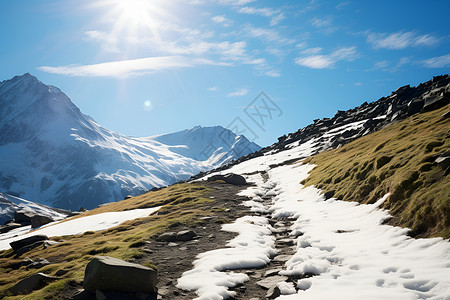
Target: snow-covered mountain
51 153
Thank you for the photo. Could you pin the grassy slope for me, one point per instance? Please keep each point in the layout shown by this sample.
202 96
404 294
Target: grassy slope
399 159
182 204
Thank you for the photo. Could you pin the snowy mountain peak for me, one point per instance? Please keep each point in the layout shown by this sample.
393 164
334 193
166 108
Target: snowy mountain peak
53 154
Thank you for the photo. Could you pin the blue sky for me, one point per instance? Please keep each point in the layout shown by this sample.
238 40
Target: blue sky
143 67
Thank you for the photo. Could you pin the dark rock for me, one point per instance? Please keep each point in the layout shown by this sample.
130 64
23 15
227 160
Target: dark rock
443 161
185 235
128 197
415 106
9 227
230 178
41 262
23 216
61 272
82 209
39 220
32 283
329 194
16 245
105 273
273 292
27 248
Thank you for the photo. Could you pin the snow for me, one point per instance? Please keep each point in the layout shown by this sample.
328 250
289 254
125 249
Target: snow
252 248
74 226
344 245
9 204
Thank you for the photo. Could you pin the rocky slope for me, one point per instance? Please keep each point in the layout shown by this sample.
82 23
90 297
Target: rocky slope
273 236
346 126
53 154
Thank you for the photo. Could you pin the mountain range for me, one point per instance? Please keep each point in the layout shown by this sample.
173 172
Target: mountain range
51 153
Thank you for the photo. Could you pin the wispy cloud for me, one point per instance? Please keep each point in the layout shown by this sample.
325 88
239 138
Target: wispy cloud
238 93
213 89
132 67
401 40
107 41
222 20
235 2
392 66
320 23
437 62
327 61
275 15
312 51
267 35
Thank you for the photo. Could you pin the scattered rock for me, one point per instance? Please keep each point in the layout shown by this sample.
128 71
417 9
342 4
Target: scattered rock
269 282
230 178
10 226
286 242
273 292
16 245
272 272
39 220
82 209
29 247
111 274
185 235
167 237
282 258
23 216
61 272
32 283
37 264
172 244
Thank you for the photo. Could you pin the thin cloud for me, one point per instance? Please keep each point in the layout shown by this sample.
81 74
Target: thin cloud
213 89
238 93
312 51
320 23
275 15
222 20
235 2
267 35
401 40
437 62
132 67
327 61
107 41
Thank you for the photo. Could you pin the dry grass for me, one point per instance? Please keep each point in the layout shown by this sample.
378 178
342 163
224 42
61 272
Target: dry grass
398 159
183 204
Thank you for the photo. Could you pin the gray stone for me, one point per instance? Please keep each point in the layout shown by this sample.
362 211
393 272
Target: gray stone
269 282
185 235
23 216
105 273
32 283
39 263
230 178
38 221
16 245
286 242
282 258
272 272
167 237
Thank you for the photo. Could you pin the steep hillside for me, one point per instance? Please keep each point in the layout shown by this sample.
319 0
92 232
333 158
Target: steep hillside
53 154
408 159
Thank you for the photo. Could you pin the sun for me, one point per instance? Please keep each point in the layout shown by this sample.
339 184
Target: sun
136 16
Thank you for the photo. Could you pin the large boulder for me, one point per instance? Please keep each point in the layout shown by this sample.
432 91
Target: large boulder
39 220
23 216
106 273
230 178
32 283
16 245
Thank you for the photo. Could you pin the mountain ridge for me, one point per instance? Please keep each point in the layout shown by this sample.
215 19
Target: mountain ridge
54 154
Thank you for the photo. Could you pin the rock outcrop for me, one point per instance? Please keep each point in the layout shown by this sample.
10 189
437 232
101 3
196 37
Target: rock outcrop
106 273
